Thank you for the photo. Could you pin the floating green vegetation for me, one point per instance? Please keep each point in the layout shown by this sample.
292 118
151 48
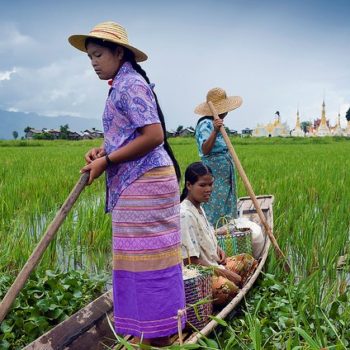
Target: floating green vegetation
47 299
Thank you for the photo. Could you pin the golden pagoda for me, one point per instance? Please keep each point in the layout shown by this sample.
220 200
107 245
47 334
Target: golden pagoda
298 132
323 129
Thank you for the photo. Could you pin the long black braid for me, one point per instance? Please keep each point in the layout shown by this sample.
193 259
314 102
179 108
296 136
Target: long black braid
167 147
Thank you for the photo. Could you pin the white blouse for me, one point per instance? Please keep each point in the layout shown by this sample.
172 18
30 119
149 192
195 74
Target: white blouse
197 235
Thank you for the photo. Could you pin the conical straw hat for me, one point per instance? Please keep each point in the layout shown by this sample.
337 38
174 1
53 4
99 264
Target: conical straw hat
107 31
221 102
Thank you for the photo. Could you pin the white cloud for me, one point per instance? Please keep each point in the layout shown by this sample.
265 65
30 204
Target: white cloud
271 59
12 109
13 39
6 75
60 88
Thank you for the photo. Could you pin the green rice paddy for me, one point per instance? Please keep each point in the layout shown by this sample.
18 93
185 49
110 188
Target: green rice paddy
307 309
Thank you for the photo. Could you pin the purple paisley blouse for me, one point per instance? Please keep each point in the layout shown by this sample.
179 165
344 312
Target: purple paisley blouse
130 105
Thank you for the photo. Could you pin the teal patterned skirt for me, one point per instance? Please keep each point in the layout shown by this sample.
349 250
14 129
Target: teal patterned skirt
223 200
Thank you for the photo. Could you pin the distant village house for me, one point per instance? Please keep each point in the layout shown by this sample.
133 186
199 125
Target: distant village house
92 134
246 132
186 132
53 134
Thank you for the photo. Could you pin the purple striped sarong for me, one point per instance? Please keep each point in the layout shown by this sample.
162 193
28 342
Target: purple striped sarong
148 286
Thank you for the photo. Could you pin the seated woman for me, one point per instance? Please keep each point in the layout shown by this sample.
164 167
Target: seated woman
199 244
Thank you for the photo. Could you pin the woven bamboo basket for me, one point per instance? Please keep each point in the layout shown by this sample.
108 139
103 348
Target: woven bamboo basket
198 290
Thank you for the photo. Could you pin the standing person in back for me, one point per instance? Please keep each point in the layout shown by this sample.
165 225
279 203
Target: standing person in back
142 191
214 153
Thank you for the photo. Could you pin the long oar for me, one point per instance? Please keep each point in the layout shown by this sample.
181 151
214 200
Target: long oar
250 191
42 245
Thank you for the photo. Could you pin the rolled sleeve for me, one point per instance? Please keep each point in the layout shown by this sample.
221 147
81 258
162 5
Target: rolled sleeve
203 131
189 243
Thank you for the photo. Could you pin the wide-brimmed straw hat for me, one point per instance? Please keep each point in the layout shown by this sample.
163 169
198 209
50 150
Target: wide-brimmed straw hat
107 31
221 102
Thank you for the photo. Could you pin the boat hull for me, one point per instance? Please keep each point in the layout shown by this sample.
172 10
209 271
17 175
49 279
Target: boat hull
90 329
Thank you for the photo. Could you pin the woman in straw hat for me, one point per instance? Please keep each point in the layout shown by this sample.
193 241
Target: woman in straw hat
142 189
214 153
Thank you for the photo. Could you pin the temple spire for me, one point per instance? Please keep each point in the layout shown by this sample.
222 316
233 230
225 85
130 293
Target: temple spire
298 120
323 129
323 116
297 132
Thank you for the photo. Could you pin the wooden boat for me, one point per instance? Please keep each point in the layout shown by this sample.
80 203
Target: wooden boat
89 328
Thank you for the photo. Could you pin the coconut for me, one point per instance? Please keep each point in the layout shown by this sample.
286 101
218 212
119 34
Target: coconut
242 264
223 290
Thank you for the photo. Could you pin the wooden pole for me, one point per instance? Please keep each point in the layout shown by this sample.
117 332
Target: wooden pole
42 245
250 191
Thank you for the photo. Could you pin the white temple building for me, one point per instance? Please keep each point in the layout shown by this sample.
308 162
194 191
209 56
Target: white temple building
337 130
298 132
319 128
323 129
274 129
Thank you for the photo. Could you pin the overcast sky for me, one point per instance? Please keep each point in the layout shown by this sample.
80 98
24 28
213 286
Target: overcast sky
277 55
